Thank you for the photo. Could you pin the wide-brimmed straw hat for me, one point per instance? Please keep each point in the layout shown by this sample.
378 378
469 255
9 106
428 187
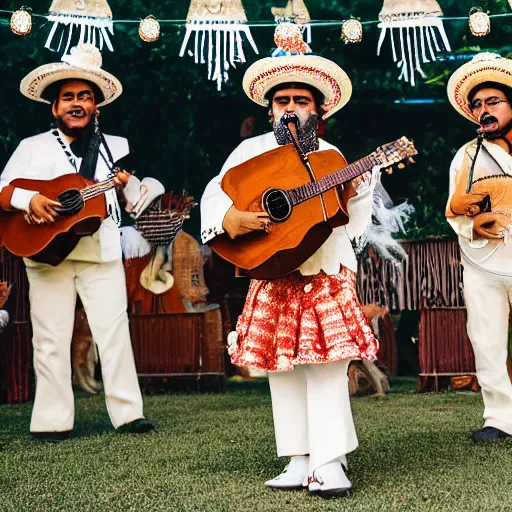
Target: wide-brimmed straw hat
484 67
83 63
291 63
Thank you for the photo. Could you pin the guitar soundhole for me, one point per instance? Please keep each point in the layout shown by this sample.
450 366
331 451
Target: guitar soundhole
72 202
277 204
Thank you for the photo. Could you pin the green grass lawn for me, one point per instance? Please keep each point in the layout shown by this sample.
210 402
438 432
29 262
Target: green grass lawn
213 453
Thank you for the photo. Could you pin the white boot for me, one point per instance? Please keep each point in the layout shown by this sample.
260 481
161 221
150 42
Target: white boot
329 480
293 476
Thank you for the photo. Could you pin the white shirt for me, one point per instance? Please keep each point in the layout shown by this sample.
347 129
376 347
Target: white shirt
490 255
337 249
41 157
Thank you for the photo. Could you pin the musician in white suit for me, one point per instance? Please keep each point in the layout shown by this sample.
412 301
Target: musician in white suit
76 87
303 329
481 91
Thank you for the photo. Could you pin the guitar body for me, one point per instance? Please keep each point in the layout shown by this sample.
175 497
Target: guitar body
290 243
51 243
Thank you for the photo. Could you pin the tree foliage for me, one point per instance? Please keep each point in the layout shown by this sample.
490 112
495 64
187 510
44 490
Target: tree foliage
183 128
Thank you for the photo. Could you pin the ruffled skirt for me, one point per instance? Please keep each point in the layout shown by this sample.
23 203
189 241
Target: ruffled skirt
302 320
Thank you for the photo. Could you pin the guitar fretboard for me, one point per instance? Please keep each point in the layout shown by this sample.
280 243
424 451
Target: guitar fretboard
308 190
97 189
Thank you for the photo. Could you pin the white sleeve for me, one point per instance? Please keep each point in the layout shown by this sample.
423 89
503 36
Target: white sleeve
360 206
461 224
215 203
15 168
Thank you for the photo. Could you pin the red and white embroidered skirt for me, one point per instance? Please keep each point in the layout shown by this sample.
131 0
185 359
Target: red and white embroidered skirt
302 320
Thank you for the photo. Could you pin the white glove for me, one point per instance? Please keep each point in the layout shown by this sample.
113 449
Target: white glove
232 342
140 194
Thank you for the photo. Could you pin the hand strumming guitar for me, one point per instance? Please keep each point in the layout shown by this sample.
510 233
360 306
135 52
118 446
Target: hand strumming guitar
43 210
237 223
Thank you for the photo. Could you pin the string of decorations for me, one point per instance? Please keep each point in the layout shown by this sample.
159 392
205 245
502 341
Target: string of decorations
214 30
313 23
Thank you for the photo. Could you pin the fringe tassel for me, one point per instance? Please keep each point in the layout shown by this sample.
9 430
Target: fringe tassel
224 46
133 244
66 29
412 34
387 220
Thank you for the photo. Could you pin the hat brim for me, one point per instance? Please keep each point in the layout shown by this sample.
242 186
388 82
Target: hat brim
38 80
318 72
471 74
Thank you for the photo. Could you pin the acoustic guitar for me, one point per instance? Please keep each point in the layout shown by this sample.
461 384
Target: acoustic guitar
83 210
304 203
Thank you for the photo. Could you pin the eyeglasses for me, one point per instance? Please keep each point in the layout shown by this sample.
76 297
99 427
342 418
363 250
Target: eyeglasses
490 104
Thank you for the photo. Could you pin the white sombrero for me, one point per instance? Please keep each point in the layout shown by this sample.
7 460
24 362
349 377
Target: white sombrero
291 64
484 67
83 63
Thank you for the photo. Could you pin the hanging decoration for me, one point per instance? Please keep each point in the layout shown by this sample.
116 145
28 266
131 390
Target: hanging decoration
21 21
352 31
149 29
289 40
217 26
296 10
413 21
479 22
79 21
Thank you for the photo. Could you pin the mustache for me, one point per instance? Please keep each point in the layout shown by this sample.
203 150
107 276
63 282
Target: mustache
289 117
300 120
486 118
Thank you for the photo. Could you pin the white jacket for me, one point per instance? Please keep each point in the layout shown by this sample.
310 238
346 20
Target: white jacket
41 157
336 250
490 255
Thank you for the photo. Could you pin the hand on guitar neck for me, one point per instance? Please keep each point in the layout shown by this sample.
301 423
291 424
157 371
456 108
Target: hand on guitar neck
237 223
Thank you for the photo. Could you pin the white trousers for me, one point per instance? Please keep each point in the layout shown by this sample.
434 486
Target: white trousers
312 414
488 300
102 288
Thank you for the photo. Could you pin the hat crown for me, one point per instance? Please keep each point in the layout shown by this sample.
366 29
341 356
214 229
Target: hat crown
400 9
480 57
92 8
288 39
84 56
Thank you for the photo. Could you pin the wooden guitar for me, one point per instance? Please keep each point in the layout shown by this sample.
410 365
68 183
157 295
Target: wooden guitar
303 202
83 210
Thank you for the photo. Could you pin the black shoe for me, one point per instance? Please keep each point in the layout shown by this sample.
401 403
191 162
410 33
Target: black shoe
488 434
332 493
52 437
139 426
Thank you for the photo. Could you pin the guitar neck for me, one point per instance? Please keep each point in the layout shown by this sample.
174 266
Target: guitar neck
97 189
307 191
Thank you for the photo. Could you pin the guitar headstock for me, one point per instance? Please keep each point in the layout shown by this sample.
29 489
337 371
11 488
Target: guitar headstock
400 151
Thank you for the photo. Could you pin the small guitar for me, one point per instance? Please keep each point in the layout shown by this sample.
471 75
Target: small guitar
303 203
83 210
